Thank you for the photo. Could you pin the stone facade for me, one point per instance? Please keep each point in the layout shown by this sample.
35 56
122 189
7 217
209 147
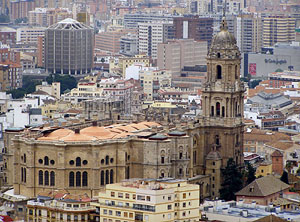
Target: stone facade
85 161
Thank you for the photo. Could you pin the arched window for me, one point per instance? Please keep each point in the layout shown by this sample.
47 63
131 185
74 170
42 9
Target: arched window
24 158
219 55
46 178
180 155
107 160
127 173
111 176
24 175
126 156
212 113
195 157
52 178
218 107
162 174
78 161
236 108
219 72
102 178
223 111
107 177
180 172
217 140
85 179
46 160
41 177
162 159
78 179
71 179
236 72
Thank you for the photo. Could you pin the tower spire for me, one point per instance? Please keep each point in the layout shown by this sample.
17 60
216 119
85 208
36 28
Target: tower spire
224 8
224 23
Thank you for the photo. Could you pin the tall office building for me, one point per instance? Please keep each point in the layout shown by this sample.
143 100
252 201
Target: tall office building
69 48
150 35
278 29
193 28
20 8
131 20
248 33
176 54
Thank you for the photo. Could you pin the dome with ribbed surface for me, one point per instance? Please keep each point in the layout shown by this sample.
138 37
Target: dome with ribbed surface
224 44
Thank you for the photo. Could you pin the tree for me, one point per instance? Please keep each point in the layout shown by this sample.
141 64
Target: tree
66 81
4 18
232 181
28 87
250 173
285 177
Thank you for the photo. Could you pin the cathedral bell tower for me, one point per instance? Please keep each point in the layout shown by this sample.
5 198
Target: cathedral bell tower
223 99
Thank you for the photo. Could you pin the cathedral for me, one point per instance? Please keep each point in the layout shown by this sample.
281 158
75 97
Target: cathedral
84 160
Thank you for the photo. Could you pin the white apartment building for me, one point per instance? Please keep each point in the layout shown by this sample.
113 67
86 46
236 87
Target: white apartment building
30 34
150 35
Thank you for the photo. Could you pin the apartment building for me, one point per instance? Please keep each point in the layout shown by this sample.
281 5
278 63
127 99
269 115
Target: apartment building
149 200
248 33
193 27
125 62
20 8
176 54
48 16
59 206
110 41
150 35
153 79
30 34
278 29
7 35
129 44
131 20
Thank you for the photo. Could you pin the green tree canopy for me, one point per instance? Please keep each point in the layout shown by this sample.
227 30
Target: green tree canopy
232 181
250 173
4 18
28 87
67 82
285 177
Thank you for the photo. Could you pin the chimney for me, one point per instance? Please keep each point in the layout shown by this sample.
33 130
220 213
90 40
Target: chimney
77 131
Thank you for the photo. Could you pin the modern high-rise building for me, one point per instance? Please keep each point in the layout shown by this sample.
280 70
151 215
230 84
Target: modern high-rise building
278 29
200 29
131 20
150 35
248 33
110 41
20 8
69 48
176 54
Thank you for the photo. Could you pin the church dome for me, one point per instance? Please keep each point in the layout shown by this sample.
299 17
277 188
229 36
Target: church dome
224 44
224 37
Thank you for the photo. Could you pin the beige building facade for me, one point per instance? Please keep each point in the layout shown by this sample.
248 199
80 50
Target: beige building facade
176 54
149 200
278 29
85 161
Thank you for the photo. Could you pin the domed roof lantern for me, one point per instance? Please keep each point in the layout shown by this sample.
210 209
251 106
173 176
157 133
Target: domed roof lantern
224 43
